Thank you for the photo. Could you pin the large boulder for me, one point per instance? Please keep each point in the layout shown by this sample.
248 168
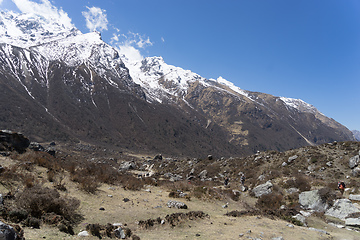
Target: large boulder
354 161
12 141
354 222
262 189
341 209
7 232
354 197
312 200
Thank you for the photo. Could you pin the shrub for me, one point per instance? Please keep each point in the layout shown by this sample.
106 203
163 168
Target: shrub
38 200
327 195
271 201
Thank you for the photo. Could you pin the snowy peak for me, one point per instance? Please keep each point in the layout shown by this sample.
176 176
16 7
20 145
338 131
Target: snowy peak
160 80
75 50
299 105
26 30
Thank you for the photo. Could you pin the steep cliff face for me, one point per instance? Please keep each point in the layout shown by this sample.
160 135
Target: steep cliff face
58 83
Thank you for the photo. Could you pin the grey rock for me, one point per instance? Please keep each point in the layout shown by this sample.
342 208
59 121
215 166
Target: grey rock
354 197
277 238
36 147
312 200
202 174
292 158
176 204
355 172
83 234
127 166
341 209
354 161
300 218
284 164
263 189
329 164
7 232
119 233
354 222
243 188
318 230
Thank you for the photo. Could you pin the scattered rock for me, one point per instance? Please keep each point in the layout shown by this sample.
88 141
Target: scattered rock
83 234
127 166
355 172
176 204
277 238
36 147
202 174
292 158
284 164
210 157
263 189
341 209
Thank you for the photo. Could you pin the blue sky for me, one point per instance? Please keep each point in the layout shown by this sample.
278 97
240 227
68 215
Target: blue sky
308 49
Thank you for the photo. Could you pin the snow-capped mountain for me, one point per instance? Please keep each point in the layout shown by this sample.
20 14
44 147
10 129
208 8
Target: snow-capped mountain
60 83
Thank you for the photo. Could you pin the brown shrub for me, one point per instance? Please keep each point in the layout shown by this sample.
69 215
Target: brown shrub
39 200
300 181
327 195
270 201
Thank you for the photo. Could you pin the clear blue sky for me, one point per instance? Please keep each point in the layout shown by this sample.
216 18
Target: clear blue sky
308 49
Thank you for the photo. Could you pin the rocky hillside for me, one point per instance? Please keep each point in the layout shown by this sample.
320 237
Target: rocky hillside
81 190
60 84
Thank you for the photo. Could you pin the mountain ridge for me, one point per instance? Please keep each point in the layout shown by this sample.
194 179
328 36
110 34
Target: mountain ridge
80 88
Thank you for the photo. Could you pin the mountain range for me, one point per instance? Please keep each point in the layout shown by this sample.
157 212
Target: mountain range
59 84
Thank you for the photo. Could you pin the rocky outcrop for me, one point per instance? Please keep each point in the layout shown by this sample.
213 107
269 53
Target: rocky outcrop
354 161
262 189
312 200
341 209
12 141
8 233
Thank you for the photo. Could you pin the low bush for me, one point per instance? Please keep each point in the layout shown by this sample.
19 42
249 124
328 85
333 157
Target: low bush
327 195
38 200
270 201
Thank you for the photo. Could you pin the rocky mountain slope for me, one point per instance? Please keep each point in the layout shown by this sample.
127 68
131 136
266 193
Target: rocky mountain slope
58 83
